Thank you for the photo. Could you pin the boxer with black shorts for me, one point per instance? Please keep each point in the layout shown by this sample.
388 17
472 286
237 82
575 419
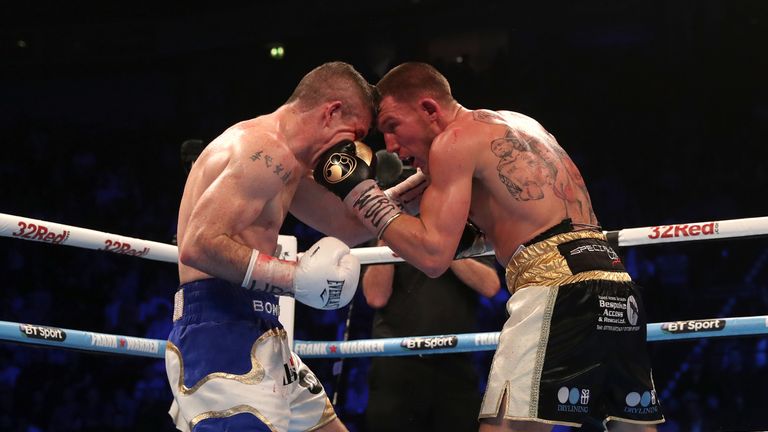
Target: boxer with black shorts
574 345
573 349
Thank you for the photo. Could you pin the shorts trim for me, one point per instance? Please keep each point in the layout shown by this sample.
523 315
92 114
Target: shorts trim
504 392
329 415
542 264
541 352
229 413
559 277
253 376
532 419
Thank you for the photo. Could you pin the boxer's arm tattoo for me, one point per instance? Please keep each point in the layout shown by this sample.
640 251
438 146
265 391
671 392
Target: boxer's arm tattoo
284 177
269 162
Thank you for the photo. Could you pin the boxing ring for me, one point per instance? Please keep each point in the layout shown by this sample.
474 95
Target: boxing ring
59 234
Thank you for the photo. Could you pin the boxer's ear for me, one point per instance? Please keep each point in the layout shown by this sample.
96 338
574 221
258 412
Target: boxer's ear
430 107
332 110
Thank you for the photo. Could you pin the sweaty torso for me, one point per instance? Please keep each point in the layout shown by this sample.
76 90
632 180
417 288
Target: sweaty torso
524 182
215 188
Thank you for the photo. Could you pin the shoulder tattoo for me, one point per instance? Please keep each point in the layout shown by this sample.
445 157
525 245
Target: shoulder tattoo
269 162
523 168
486 116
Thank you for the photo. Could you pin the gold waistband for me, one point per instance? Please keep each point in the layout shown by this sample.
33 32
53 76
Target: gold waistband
542 264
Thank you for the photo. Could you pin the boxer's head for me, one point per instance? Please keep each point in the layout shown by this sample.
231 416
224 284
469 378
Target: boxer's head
412 100
343 97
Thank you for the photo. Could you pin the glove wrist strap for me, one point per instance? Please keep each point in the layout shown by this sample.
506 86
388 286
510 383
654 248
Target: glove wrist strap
269 274
247 279
372 206
386 224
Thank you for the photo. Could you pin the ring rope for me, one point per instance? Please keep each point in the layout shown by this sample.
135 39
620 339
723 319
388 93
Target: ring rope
55 233
58 234
33 334
699 347
405 346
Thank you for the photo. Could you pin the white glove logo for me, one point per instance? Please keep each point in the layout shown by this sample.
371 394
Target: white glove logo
327 275
334 294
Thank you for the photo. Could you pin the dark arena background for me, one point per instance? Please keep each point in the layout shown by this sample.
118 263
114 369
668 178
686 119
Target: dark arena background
662 104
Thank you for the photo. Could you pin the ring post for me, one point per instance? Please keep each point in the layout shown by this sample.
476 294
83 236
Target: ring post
288 247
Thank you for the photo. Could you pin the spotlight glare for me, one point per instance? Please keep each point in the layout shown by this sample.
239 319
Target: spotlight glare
277 52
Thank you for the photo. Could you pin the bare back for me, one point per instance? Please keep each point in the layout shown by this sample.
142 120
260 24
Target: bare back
238 193
523 181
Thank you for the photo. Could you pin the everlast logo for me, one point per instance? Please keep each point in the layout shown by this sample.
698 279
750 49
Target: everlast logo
426 343
334 294
685 230
693 326
40 233
45 333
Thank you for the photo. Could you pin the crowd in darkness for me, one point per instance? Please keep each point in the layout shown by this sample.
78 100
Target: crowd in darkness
667 125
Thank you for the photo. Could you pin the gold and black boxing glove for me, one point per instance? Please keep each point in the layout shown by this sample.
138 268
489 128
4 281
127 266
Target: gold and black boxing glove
348 169
344 166
472 242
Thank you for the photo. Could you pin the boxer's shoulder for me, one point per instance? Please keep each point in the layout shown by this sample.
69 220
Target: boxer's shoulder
263 154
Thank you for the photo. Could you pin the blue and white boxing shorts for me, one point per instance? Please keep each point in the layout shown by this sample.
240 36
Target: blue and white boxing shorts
230 366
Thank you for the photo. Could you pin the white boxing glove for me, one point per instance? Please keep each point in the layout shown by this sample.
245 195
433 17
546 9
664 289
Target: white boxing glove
326 275
407 194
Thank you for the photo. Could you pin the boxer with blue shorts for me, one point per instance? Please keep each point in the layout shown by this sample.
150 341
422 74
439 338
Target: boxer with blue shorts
246 377
228 360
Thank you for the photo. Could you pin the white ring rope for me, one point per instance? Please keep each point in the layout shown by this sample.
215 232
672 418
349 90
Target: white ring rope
55 233
725 229
59 234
